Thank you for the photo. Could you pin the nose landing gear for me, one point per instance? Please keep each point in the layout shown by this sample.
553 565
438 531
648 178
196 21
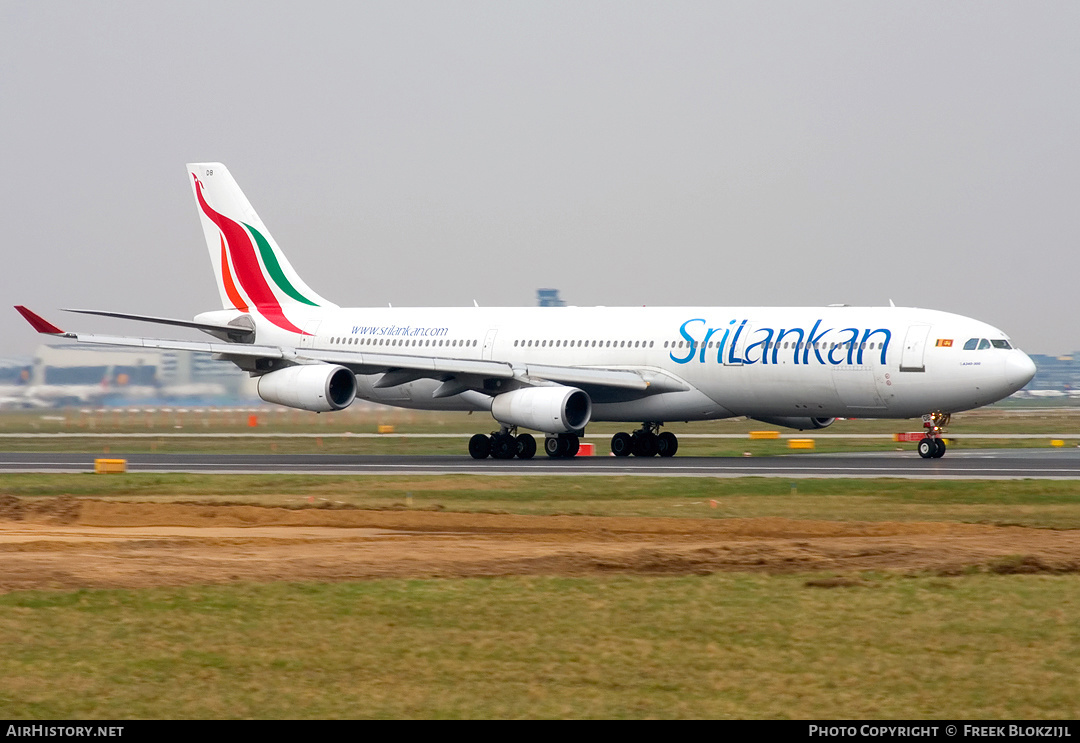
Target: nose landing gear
932 446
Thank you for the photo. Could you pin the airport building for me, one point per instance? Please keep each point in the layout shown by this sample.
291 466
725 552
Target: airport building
1056 377
549 298
72 374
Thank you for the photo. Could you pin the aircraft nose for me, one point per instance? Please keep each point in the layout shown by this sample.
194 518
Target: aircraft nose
1019 369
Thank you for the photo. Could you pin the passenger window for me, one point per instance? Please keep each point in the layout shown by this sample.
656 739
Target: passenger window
983 344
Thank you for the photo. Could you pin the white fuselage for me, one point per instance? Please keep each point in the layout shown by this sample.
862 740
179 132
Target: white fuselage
867 362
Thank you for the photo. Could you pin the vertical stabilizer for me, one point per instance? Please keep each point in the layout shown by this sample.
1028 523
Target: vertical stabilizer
252 273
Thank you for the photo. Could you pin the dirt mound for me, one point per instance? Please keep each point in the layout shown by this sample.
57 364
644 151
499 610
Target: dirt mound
67 542
60 510
1028 565
11 508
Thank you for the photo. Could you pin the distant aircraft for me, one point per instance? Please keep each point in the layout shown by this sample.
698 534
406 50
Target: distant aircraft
555 370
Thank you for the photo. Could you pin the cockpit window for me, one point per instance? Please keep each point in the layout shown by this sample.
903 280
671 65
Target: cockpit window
972 344
1001 344
983 344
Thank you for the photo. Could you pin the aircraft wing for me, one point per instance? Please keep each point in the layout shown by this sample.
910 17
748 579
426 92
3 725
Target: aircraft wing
225 349
456 374
400 368
425 366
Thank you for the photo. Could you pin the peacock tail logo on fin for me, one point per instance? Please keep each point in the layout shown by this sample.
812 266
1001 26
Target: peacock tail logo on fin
239 243
227 280
274 268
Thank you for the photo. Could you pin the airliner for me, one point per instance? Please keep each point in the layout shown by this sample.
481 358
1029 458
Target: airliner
556 370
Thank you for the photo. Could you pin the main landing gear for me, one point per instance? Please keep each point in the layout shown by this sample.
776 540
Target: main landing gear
507 444
562 446
645 442
502 444
932 446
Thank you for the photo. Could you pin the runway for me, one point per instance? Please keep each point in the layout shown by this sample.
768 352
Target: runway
994 464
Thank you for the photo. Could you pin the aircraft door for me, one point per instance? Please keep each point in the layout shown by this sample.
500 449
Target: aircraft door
736 345
911 358
311 330
489 343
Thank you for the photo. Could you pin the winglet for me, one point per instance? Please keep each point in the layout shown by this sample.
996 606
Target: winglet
40 324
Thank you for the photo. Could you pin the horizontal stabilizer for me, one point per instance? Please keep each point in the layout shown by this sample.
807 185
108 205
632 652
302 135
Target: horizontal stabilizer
232 330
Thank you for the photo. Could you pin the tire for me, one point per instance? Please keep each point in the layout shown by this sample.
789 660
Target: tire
621 444
939 449
927 448
479 446
503 446
644 444
667 444
554 446
526 446
573 444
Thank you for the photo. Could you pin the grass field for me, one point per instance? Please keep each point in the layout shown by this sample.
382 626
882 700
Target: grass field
720 646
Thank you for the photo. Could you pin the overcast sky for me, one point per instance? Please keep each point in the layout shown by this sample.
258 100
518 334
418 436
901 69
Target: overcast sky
626 153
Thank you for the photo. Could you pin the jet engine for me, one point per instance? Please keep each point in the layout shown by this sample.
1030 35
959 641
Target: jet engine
802 424
316 387
547 409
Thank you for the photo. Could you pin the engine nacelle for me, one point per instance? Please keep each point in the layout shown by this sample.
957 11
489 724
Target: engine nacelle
803 424
547 409
316 387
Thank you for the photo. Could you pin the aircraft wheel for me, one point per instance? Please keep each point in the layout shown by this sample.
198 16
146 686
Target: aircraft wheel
555 446
667 444
939 449
503 446
621 444
479 446
573 444
526 446
927 447
644 444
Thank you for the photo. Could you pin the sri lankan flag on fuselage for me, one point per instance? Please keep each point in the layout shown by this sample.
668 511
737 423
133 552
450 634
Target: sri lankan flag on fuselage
252 273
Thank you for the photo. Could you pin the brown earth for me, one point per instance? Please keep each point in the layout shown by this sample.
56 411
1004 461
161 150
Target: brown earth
75 543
